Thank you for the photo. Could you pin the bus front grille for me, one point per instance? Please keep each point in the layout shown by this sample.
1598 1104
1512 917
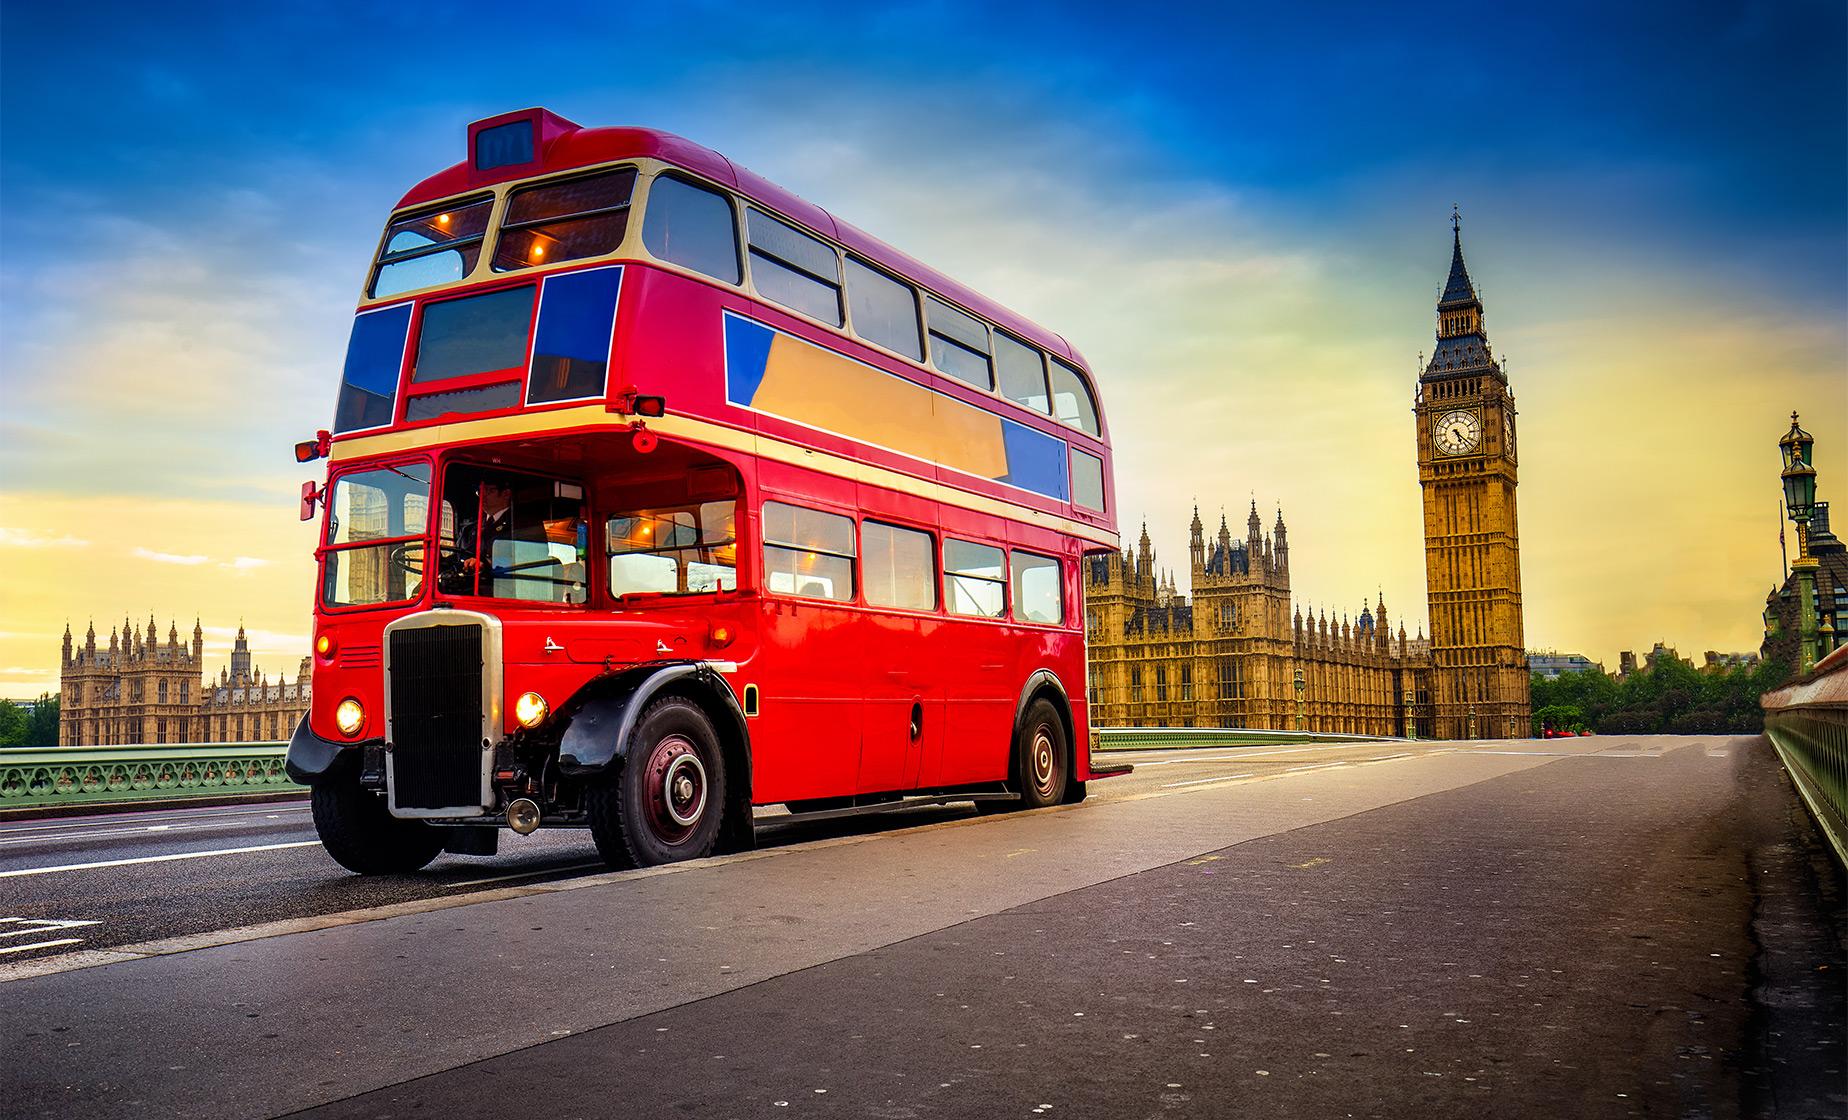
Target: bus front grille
436 754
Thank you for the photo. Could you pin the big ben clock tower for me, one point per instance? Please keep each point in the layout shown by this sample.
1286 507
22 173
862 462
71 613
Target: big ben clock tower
1467 468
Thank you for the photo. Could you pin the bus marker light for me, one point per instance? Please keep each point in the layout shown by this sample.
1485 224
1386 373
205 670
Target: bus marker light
531 709
651 406
644 441
349 717
721 637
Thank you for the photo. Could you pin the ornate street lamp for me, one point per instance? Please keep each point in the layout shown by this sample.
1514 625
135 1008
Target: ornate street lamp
1799 475
1411 712
1300 686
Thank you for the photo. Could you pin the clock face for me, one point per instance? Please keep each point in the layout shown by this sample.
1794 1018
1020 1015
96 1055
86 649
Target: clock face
1508 433
1457 433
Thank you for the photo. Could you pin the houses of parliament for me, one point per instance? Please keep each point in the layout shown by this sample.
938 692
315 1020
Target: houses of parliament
1237 650
138 689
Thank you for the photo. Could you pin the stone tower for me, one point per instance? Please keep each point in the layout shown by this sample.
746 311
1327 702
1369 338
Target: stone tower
1467 469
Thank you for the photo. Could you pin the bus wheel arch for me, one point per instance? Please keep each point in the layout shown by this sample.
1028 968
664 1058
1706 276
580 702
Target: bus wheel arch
1043 687
600 740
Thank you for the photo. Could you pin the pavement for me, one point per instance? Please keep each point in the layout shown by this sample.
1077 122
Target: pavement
1587 928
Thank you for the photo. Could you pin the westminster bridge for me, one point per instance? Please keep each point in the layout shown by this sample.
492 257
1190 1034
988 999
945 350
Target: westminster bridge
1576 927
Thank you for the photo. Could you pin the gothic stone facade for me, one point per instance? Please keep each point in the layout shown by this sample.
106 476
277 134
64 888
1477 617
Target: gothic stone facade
1229 657
140 690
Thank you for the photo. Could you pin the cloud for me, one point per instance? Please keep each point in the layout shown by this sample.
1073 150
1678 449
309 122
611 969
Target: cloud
168 557
244 563
29 538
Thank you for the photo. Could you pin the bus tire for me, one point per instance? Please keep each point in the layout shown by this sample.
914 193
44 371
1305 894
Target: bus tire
667 800
360 833
1042 756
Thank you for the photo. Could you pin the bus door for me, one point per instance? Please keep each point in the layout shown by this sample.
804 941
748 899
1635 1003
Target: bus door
904 690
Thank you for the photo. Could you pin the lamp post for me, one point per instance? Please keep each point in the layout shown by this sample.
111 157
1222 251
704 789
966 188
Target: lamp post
1471 732
1411 712
1799 477
1300 686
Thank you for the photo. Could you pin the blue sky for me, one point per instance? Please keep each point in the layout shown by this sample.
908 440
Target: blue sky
1243 208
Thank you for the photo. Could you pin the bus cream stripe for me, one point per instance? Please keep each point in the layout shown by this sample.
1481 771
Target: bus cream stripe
705 431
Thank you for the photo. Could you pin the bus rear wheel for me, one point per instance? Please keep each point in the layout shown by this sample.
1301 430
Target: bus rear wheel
666 803
361 834
1042 757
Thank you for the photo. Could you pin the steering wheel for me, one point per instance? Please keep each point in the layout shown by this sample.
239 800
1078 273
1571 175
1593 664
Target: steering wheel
400 557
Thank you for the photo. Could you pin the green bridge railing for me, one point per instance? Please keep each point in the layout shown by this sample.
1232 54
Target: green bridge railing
1807 721
39 777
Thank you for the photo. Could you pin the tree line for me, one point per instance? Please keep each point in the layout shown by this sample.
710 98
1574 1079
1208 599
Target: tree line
29 726
1669 697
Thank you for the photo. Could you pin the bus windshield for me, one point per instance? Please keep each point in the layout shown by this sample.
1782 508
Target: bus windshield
678 550
376 520
511 536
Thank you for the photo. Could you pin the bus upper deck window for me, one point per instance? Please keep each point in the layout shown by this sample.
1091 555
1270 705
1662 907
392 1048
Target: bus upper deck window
791 268
1071 398
959 344
565 221
432 246
692 227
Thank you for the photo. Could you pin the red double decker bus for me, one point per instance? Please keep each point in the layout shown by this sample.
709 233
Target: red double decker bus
655 493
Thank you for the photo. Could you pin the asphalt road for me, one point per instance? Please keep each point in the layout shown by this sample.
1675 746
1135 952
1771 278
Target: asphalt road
1591 928
95 882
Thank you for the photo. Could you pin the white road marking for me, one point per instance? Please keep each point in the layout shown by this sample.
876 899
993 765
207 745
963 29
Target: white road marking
1203 781
116 820
46 925
42 945
24 871
139 830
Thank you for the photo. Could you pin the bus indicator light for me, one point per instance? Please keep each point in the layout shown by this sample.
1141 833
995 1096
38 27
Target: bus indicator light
324 646
721 637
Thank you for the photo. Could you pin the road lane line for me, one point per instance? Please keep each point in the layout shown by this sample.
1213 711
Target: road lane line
151 832
43 945
47 925
115 820
24 871
1203 781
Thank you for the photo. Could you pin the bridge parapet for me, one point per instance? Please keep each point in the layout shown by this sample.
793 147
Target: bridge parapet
41 777
1807 721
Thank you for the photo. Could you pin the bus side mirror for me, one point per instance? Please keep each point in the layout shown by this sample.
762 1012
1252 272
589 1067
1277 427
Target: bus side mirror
310 495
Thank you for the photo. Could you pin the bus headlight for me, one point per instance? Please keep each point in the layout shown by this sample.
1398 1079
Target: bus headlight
530 710
349 717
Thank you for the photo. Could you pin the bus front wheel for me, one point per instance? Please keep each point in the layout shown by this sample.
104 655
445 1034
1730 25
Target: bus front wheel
361 834
1042 757
665 803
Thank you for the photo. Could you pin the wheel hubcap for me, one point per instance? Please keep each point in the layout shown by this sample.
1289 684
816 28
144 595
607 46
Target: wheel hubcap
674 780
1044 762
